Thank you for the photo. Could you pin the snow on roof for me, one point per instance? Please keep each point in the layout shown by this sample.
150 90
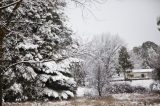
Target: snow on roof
142 70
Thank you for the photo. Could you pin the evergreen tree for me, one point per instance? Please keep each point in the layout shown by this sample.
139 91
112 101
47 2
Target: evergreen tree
145 54
124 62
156 66
36 48
156 72
157 63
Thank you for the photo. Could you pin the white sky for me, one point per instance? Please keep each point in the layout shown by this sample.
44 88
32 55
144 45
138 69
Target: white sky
133 20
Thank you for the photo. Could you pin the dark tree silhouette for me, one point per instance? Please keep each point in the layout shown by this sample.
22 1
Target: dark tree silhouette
124 61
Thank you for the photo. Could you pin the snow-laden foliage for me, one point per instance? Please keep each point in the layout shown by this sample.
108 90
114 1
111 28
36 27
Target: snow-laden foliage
136 59
145 55
36 48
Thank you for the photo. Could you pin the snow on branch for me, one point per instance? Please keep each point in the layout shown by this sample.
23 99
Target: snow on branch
33 62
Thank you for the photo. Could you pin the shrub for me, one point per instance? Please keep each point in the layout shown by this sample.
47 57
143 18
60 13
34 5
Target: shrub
125 88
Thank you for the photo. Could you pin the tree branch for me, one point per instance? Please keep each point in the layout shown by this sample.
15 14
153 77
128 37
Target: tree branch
24 22
14 9
4 7
34 62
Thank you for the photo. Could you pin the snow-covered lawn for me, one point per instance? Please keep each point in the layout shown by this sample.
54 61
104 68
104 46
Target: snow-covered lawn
143 83
84 91
124 99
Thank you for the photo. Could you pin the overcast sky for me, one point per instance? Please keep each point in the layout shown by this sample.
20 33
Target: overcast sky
133 20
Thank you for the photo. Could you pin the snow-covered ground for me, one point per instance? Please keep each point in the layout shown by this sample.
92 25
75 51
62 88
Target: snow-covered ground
83 91
113 100
143 83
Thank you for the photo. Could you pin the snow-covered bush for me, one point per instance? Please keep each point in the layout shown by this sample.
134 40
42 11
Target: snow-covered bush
86 92
120 88
139 89
125 88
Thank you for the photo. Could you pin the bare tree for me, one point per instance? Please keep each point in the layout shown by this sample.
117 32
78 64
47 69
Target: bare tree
101 79
102 61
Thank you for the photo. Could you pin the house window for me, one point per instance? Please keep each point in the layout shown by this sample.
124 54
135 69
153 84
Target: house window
142 75
130 75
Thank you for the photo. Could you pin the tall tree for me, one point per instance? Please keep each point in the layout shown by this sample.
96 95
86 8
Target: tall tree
36 50
124 61
155 62
143 56
101 61
35 34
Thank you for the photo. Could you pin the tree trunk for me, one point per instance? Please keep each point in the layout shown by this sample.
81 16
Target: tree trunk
1 63
99 86
99 92
2 35
1 92
1 41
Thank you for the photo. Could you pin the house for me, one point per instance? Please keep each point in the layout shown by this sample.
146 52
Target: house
139 74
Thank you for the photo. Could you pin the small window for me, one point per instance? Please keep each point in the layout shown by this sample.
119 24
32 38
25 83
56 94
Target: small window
130 75
142 75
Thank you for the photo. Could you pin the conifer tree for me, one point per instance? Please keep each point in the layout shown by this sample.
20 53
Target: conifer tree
124 61
36 48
